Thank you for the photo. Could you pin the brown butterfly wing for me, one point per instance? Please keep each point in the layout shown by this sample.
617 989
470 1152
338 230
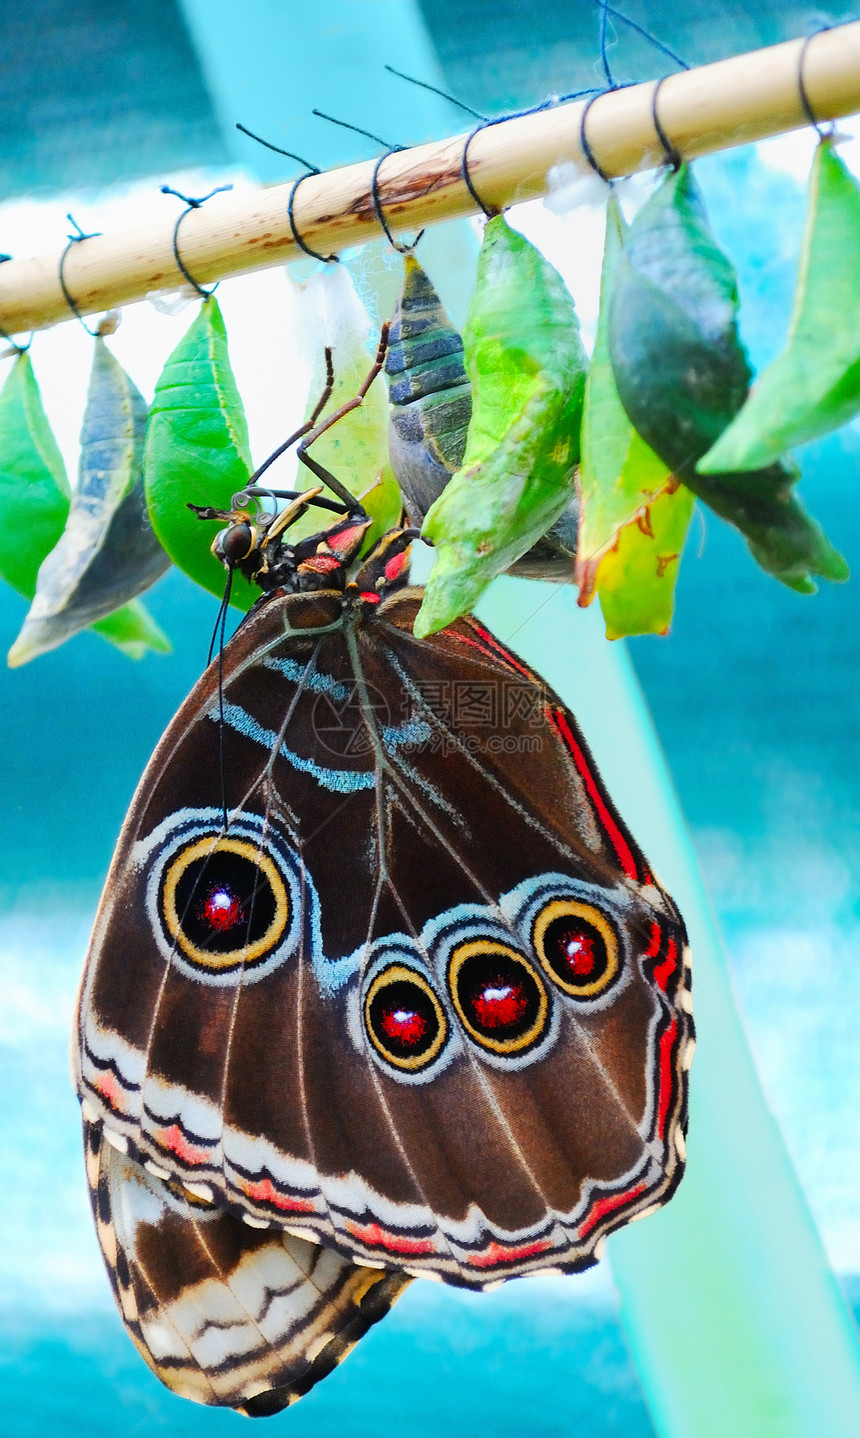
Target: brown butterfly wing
430 1007
225 1314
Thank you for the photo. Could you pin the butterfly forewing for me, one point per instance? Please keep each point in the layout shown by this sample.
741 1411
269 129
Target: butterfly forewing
423 1000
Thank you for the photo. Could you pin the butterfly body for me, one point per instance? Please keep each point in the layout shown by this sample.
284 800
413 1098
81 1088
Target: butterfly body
421 1000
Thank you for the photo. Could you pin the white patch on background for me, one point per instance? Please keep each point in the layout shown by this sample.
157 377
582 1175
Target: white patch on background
792 154
259 311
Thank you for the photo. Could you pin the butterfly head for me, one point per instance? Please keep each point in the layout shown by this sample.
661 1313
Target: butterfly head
254 541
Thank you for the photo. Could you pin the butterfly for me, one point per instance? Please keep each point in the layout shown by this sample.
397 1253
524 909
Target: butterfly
380 985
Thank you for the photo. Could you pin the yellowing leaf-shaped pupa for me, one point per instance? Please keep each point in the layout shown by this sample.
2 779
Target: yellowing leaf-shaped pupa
526 364
813 386
634 516
107 553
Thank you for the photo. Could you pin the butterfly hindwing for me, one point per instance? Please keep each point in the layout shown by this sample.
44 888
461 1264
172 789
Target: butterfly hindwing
424 1001
225 1314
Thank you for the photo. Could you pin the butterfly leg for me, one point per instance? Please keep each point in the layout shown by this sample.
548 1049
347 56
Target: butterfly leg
317 469
308 424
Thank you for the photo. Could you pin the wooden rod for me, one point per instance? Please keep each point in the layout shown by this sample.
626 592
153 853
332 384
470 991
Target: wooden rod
732 102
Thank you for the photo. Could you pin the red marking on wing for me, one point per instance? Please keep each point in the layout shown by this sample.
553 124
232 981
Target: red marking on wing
265 1192
110 1090
490 648
222 910
376 1237
404 1024
320 564
473 643
667 1044
500 650
653 948
369 597
559 722
344 541
174 1141
500 1253
395 566
663 971
608 1205
577 950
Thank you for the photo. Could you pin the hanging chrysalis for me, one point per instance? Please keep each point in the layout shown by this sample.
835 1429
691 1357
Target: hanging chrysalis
682 374
34 505
107 553
197 449
635 515
813 386
431 406
527 368
431 398
331 315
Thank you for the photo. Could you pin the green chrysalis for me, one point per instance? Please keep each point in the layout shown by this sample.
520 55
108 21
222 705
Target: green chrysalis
813 386
527 366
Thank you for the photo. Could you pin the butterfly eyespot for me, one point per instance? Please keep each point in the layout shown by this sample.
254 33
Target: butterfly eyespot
404 1019
499 997
577 947
224 902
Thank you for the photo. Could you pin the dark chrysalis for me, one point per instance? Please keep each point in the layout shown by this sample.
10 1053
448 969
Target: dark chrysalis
431 405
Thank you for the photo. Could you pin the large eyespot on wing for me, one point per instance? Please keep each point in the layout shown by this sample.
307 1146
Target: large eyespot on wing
222 903
577 947
499 996
404 1019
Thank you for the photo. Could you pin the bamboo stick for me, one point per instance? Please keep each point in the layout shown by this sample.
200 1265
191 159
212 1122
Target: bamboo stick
714 107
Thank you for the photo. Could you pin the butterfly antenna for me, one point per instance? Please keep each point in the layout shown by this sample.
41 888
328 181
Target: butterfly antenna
222 610
218 637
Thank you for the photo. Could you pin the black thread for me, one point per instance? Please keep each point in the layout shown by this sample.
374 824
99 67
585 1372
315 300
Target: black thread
346 125
575 95
374 179
583 139
464 168
291 218
190 204
607 73
548 104
434 90
277 149
672 154
314 254
75 240
377 205
21 349
801 85
640 30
